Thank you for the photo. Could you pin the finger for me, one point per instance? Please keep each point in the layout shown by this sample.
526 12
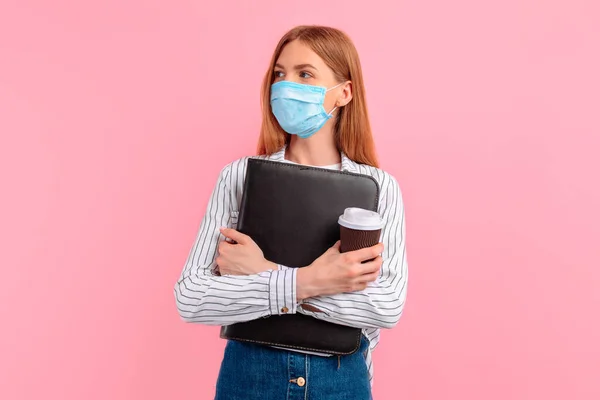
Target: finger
224 246
370 267
222 266
234 235
335 248
372 277
368 253
358 287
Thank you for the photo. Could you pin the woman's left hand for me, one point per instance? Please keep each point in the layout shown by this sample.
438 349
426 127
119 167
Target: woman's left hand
243 257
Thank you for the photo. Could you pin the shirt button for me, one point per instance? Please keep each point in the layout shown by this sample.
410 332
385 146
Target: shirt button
284 310
301 381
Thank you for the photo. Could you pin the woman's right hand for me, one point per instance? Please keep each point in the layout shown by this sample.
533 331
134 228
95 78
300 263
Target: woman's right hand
336 272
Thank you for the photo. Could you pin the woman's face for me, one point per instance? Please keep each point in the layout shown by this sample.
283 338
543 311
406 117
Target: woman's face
298 63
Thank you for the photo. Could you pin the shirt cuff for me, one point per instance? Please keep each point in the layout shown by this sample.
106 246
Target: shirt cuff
282 291
283 267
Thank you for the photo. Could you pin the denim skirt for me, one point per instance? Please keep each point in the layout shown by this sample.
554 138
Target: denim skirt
253 372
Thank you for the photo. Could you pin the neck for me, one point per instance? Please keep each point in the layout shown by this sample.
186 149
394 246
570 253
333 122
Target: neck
318 150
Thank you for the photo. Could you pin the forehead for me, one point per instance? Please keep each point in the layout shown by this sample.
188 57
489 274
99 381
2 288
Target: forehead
296 52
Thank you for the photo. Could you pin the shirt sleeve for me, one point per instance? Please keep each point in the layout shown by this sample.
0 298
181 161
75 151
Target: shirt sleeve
380 305
203 296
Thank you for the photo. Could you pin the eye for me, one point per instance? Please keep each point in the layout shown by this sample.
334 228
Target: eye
278 74
305 75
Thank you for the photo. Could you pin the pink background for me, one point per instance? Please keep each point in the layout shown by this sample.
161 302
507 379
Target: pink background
116 117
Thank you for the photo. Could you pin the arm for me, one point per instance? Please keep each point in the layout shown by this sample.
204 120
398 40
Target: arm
205 297
381 303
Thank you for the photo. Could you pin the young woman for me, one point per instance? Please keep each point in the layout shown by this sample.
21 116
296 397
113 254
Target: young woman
314 113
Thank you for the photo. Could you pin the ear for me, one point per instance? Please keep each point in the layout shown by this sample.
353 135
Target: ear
345 95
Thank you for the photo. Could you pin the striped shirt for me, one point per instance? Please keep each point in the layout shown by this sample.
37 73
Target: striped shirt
202 296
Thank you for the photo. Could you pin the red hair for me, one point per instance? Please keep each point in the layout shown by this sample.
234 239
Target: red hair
352 128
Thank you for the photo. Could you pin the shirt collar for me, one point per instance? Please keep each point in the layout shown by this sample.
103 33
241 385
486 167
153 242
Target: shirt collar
347 164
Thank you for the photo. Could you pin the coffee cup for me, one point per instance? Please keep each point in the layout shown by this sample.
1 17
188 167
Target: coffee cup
359 228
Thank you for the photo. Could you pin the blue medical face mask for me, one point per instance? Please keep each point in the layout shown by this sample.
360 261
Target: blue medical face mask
299 108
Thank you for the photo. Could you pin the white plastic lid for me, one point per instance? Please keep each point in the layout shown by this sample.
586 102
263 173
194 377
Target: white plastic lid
361 219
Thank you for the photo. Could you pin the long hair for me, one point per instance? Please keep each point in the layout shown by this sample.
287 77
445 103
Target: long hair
352 128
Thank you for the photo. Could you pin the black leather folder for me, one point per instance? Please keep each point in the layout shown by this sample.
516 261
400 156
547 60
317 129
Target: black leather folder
291 211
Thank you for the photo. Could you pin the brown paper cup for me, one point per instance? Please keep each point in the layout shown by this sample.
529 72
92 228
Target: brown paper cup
353 239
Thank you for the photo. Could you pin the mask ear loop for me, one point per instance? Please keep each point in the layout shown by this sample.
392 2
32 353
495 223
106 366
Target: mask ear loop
331 88
330 113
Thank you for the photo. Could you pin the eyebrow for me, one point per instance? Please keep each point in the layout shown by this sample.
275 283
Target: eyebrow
299 66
